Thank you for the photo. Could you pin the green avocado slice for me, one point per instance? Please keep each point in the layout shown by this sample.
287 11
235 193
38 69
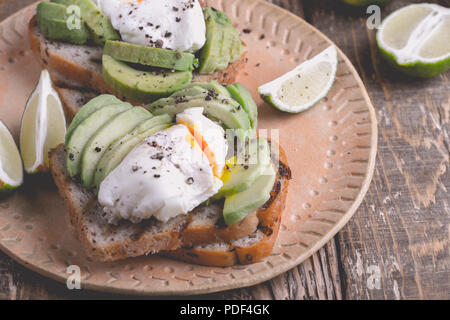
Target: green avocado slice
212 85
84 131
98 23
190 91
53 24
183 94
89 108
55 29
50 10
244 97
223 44
210 55
112 130
144 86
200 89
225 110
149 56
239 205
250 165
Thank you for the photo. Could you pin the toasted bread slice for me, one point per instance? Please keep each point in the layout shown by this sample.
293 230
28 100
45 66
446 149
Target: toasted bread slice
105 242
251 248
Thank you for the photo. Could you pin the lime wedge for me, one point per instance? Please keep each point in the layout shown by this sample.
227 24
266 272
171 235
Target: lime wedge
361 3
416 39
301 88
43 125
11 170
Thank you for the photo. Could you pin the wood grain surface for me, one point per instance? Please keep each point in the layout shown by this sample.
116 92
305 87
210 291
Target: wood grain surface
397 245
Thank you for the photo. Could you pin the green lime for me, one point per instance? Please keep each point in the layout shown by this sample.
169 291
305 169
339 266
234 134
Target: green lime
43 125
301 88
11 169
416 39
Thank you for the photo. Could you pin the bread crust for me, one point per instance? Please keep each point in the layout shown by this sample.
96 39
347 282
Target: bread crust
202 256
198 235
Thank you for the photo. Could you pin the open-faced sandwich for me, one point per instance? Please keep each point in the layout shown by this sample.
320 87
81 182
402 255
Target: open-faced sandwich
153 162
136 50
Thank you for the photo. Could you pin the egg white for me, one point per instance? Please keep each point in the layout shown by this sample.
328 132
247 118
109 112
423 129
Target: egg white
167 174
171 24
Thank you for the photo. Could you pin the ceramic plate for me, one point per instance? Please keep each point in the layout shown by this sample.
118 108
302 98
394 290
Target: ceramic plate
331 150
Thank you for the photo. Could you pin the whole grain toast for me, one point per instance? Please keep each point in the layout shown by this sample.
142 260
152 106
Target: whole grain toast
203 226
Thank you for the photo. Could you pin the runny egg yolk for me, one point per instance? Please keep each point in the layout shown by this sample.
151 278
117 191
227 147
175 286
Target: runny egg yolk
196 137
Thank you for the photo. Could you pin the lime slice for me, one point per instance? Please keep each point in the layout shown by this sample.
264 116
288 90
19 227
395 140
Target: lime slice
43 125
11 170
301 88
416 39
361 3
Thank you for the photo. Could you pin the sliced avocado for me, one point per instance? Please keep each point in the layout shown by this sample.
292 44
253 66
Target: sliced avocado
210 54
225 50
180 95
118 150
139 85
192 93
245 99
89 108
223 44
53 24
57 30
236 49
221 108
49 10
98 23
212 85
114 129
150 56
193 89
84 132
239 205
187 92
249 166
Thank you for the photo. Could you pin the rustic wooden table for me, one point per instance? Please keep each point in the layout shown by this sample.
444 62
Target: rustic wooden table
397 245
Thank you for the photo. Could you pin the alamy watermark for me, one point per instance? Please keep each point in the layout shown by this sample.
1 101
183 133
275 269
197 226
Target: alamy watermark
374 20
74 20
74 280
374 280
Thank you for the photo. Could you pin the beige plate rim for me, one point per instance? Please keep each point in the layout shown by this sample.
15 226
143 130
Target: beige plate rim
254 280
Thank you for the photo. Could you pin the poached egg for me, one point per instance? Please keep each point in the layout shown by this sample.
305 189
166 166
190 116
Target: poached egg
168 173
170 24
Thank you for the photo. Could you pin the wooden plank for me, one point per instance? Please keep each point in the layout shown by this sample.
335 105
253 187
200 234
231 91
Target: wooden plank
402 229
